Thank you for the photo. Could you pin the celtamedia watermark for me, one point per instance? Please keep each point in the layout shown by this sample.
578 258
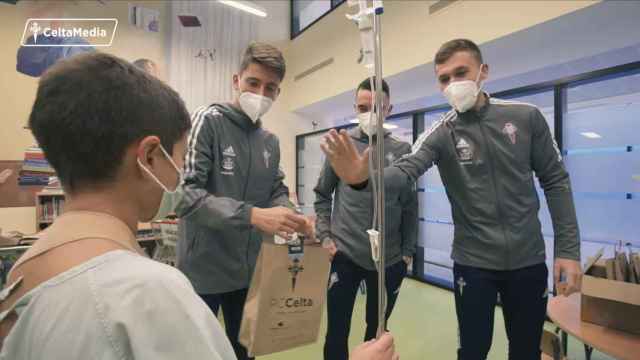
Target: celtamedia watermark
68 32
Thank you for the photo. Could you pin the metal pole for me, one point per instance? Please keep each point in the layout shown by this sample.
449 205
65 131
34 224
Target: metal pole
379 97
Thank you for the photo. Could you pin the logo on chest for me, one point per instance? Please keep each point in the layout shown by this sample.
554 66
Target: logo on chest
229 151
464 150
228 161
511 131
228 166
267 156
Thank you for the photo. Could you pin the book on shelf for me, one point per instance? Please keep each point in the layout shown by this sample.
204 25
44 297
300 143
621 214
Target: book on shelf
36 162
33 180
54 184
34 155
43 170
51 208
32 173
52 191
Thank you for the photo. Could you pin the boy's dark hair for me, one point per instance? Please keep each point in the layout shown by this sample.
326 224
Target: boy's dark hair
366 85
451 47
90 107
265 55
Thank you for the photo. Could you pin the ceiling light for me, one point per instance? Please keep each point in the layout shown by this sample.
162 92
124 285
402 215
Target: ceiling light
591 135
247 6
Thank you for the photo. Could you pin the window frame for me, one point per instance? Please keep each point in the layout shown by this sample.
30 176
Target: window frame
293 34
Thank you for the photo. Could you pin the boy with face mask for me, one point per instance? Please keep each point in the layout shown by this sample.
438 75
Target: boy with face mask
487 151
85 290
343 217
234 191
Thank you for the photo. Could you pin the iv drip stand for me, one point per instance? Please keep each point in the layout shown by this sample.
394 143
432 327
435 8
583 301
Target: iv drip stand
374 47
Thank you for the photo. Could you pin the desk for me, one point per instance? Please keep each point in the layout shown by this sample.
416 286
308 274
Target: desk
565 313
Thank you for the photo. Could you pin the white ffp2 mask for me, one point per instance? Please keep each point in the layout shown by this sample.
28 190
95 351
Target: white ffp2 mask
462 95
254 105
367 122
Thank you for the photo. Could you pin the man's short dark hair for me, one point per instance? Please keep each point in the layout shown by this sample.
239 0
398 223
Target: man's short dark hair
451 47
90 107
366 85
266 55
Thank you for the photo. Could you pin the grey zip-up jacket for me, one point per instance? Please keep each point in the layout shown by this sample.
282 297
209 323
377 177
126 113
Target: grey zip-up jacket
347 216
231 166
487 159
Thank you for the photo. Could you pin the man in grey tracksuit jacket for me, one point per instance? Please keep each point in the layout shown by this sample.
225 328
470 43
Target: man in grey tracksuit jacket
486 159
487 155
237 162
346 215
232 165
343 217
233 190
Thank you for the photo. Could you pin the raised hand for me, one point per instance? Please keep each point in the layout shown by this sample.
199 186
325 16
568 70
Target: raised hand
350 166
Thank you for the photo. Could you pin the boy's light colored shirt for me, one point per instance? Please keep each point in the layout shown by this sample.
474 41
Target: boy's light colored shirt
119 305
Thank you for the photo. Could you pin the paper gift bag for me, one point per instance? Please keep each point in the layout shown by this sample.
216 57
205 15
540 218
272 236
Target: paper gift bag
286 298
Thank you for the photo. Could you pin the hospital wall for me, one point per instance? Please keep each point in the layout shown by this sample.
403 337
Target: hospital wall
18 90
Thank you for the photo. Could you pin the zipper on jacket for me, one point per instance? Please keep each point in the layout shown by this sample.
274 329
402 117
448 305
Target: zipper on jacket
246 183
244 198
495 187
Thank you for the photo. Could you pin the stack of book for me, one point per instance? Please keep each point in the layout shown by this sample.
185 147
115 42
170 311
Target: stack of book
35 169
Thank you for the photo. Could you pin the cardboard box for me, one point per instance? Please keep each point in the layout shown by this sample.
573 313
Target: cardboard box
609 303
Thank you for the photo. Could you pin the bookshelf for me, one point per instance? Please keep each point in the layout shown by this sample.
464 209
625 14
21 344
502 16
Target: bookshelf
49 204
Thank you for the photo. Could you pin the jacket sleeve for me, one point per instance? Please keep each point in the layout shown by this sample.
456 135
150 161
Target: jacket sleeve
196 203
327 183
409 218
279 191
547 163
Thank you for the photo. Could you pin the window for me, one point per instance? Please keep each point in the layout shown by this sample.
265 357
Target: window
602 153
310 161
435 234
402 128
